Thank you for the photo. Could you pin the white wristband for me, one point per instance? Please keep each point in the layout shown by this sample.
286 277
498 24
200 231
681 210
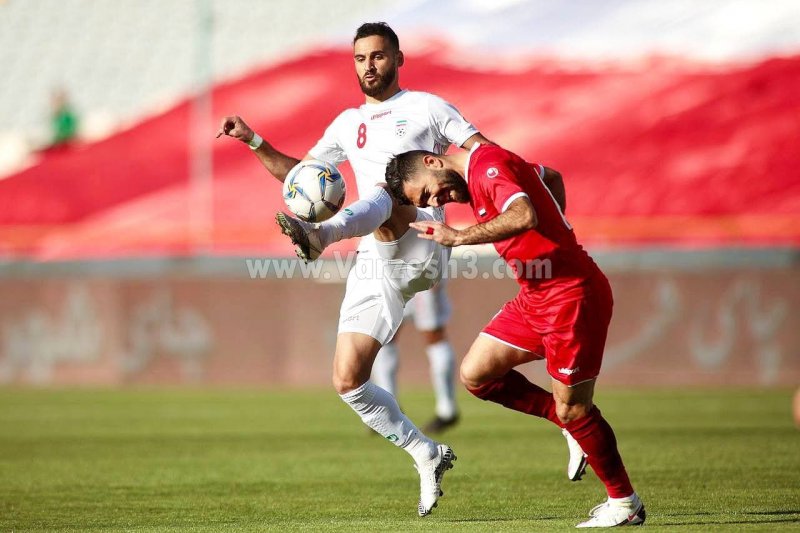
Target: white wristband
256 141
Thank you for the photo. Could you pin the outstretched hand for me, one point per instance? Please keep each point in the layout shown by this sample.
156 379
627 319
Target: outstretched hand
234 126
436 231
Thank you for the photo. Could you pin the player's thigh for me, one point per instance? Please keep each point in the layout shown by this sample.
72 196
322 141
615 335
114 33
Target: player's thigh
353 360
371 305
371 313
488 358
577 335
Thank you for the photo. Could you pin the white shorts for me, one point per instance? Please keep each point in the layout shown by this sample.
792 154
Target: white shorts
384 278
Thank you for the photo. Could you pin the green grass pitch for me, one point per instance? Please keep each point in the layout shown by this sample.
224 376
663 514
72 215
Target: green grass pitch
224 460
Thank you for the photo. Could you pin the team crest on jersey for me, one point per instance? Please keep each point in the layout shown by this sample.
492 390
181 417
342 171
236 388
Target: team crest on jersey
400 127
491 173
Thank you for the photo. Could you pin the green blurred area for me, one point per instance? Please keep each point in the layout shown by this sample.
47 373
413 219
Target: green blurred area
233 460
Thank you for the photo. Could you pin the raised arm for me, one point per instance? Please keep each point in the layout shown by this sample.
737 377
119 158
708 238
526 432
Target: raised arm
277 163
520 216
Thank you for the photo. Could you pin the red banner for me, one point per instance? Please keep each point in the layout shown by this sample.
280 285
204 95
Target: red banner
665 153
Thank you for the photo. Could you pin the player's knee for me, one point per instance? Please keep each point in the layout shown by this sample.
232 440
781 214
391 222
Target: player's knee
345 383
470 376
567 413
465 380
434 336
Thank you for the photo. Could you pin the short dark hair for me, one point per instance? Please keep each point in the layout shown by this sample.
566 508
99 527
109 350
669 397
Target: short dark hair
399 170
369 29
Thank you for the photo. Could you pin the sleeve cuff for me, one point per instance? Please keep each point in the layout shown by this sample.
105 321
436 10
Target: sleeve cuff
511 199
466 135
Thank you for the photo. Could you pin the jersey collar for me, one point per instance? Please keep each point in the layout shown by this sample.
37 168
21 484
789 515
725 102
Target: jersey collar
388 102
469 157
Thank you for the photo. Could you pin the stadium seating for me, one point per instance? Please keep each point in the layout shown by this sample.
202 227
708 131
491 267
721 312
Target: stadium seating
120 60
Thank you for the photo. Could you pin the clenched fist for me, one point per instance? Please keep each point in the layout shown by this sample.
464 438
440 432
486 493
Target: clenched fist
235 127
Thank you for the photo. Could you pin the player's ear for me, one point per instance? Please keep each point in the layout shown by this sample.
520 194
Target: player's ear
431 161
400 58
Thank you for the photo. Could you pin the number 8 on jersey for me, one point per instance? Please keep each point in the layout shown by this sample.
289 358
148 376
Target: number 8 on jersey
361 140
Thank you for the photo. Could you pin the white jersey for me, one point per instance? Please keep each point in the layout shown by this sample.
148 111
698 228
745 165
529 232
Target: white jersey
370 135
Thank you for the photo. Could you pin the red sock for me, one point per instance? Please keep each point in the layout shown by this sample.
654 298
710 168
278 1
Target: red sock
517 393
600 445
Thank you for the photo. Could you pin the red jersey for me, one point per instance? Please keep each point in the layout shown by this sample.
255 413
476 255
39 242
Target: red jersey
542 258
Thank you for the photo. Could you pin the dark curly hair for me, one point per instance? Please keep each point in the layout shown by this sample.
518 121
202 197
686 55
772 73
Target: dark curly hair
399 170
369 29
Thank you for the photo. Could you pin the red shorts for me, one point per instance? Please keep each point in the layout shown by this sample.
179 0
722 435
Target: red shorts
568 330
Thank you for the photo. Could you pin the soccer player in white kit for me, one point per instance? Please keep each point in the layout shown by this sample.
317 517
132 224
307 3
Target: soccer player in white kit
392 264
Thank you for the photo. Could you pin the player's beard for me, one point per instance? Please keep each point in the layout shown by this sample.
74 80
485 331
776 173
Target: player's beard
382 82
459 190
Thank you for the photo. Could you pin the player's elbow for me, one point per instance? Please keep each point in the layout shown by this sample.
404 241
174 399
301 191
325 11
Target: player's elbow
552 177
529 219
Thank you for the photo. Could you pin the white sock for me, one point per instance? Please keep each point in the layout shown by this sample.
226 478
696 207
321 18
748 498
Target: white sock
360 218
627 500
443 366
379 410
384 369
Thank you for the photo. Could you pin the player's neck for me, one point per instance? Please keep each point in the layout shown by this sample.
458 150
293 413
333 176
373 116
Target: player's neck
388 93
456 161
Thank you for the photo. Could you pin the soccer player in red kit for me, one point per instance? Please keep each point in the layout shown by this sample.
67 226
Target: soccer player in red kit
561 313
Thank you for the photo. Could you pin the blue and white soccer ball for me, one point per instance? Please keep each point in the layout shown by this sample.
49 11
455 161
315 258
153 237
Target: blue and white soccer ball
314 191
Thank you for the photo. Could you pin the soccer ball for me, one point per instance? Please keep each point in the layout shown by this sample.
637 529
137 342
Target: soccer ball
313 190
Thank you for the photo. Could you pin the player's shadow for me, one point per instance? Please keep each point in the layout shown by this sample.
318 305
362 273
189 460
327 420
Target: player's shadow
764 520
499 519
